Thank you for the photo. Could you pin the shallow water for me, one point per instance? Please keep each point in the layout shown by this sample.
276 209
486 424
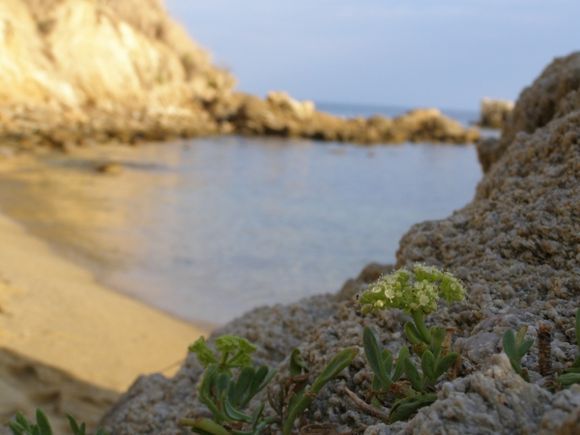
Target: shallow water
210 228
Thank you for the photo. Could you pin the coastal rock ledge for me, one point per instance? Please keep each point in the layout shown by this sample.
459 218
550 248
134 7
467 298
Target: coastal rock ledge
516 246
80 72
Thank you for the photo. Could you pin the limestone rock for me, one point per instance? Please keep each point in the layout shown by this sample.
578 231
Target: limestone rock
495 113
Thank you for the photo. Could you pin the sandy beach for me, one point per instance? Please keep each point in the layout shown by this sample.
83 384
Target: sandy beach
53 313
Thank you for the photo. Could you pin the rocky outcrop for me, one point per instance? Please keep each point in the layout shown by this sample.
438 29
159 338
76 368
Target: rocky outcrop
281 115
495 113
75 71
78 71
555 93
515 246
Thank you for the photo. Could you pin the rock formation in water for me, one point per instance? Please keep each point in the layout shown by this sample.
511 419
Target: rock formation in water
281 115
74 72
516 246
495 113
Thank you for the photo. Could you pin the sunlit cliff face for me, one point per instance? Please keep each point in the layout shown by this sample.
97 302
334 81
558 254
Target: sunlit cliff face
102 53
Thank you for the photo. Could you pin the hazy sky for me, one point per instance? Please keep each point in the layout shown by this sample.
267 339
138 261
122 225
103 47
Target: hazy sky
445 53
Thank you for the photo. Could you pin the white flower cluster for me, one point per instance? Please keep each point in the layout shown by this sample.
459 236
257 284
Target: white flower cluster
414 290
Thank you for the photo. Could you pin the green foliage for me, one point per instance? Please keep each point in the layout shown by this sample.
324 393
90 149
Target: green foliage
515 346
416 291
235 352
572 374
413 290
22 426
381 362
405 408
304 395
227 393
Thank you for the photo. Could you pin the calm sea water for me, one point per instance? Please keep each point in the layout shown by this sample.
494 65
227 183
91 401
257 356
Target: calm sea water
209 228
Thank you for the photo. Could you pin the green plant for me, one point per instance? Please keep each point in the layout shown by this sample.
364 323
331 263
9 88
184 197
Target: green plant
416 291
304 395
572 374
227 394
386 372
22 426
515 346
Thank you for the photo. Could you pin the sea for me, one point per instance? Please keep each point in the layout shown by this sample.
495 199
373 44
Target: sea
207 229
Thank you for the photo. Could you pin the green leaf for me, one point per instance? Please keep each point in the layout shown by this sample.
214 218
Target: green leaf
234 414
42 422
437 339
75 428
297 363
302 400
400 366
423 332
204 426
375 358
240 389
203 353
521 334
578 328
509 345
413 375
388 361
405 408
524 347
241 348
412 334
428 365
569 378
334 367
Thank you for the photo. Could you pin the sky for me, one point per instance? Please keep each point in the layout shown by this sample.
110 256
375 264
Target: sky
442 53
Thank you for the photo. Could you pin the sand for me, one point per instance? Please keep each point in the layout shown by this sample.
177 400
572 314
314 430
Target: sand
54 313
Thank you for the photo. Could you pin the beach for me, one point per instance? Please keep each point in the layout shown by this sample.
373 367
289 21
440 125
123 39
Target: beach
55 313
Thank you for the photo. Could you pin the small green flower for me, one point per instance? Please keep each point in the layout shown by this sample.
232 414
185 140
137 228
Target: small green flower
204 354
414 290
234 352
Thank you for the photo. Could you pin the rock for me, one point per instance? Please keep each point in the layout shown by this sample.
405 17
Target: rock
556 92
515 246
495 113
109 168
300 110
79 71
496 401
281 115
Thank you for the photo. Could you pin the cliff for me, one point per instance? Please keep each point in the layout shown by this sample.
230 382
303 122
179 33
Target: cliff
75 72
515 246
89 68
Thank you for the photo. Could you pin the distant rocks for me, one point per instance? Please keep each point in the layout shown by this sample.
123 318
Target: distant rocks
280 115
495 113
109 168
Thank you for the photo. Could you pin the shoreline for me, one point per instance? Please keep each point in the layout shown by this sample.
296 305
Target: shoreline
57 313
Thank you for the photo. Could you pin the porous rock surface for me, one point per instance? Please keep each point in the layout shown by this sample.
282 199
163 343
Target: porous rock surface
495 113
516 246
553 94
